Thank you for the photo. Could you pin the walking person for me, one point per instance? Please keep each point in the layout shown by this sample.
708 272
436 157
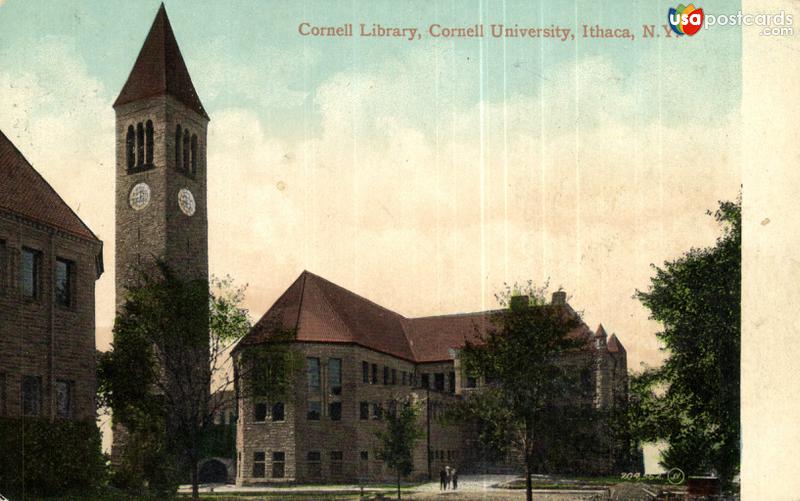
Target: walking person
454 474
442 479
449 477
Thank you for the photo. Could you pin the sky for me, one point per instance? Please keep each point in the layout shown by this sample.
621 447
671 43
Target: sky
420 174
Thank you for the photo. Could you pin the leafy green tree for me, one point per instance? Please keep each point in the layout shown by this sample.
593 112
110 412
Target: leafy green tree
398 439
692 400
536 375
167 371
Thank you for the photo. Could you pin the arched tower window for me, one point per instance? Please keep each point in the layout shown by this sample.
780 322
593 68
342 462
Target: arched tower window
178 139
148 130
186 157
130 147
194 154
139 144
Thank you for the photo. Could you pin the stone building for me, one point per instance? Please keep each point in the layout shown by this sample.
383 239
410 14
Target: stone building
358 357
161 211
49 262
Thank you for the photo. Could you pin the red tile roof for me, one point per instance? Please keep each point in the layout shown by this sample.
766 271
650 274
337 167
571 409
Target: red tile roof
160 69
25 192
321 311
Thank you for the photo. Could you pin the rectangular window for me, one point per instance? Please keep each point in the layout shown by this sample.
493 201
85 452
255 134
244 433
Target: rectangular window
312 368
472 382
335 375
391 407
363 410
259 464
394 376
374 373
451 382
31 272
313 465
31 396
64 273
2 265
335 411
377 411
365 372
364 455
336 463
63 398
260 412
438 381
314 410
426 380
278 464
278 411
2 394
385 375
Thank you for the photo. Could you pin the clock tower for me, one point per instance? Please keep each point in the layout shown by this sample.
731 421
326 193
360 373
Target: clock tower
161 125
161 211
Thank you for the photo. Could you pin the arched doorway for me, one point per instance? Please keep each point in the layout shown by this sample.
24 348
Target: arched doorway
213 471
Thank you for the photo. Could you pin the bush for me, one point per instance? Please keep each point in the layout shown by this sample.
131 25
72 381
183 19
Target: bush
45 458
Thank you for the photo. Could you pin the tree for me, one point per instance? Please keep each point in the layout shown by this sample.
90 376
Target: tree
692 400
171 341
399 437
537 378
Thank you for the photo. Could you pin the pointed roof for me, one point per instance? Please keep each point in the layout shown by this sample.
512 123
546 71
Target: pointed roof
25 192
614 345
601 332
321 311
160 69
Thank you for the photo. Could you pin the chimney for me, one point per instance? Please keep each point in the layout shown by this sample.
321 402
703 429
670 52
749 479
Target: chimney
559 298
518 302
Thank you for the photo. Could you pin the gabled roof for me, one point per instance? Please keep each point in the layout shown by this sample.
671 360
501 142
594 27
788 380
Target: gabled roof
160 69
614 345
601 332
25 192
321 311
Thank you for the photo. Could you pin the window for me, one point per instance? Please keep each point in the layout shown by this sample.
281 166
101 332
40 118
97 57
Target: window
63 398
130 147
335 375
335 411
313 466
451 382
278 462
336 462
2 265
394 376
404 378
148 129
194 154
139 144
438 381
364 455
363 410
385 375
31 271
2 394
426 380
31 395
64 273
278 411
374 373
178 139
312 369
391 407
472 381
365 372
260 414
377 411
314 410
259 464
186 155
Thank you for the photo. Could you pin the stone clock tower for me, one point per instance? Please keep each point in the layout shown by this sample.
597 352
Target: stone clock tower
161 125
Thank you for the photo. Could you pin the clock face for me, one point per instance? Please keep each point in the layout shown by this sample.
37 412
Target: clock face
186 202
140 196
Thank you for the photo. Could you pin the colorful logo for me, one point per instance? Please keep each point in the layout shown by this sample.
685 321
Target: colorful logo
686 20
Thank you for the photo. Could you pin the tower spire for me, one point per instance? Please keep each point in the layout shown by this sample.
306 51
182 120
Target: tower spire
160 69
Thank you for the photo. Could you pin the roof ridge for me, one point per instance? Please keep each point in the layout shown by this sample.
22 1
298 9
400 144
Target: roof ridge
348 291
50 188
463 314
